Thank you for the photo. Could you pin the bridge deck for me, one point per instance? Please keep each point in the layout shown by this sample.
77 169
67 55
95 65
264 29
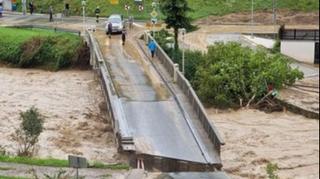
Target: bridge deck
158 124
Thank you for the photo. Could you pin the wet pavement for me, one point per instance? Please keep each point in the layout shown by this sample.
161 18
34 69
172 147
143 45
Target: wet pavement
158 125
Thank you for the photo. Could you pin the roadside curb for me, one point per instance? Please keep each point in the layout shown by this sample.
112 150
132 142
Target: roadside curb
298 110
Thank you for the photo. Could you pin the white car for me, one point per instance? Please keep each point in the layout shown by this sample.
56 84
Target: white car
117 23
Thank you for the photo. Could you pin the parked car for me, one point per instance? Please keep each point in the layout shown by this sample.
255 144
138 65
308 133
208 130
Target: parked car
117 23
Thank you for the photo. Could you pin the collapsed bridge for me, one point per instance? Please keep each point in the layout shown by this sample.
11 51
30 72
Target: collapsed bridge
171 133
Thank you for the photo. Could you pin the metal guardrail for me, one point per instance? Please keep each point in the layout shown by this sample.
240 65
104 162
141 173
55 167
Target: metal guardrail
187 89
299 34
77 32
114 105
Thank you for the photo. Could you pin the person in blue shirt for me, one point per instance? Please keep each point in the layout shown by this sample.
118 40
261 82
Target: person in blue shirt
152 47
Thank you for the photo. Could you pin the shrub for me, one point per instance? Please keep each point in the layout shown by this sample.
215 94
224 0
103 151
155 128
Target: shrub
272 170
28 133
230 73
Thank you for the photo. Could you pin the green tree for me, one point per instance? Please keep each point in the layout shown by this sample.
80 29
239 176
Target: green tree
175 12
28 133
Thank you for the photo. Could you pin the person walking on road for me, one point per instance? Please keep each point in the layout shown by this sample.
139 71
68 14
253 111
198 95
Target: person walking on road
50 14
31 7
152 47
66 9
109 32
97 12
124 34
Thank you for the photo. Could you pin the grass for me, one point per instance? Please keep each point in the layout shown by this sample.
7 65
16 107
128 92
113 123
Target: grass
50 162
39 48
6 168
117 166
17 36
202 8
10 177
34 161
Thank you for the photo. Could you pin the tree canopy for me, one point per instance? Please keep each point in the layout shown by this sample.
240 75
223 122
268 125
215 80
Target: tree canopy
176 16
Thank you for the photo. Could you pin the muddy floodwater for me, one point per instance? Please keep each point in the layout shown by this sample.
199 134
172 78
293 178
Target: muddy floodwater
72 103
254 138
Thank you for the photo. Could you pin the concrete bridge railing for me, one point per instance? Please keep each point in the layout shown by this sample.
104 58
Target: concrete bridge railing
114 106
187 89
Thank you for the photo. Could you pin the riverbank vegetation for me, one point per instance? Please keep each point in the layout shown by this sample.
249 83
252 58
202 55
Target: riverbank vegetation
231 75
51 162
45 49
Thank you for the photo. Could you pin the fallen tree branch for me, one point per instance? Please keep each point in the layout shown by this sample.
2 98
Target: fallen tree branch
270 92
252 98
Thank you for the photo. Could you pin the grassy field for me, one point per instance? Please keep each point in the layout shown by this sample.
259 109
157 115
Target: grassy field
39 48
202 8
50 162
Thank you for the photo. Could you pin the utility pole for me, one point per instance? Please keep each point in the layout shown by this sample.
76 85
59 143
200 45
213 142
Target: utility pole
252 19
84 13
183 32
274 18
154 19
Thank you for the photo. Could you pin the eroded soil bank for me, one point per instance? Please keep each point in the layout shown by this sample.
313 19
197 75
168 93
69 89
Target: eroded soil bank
72 103
264 17
254 138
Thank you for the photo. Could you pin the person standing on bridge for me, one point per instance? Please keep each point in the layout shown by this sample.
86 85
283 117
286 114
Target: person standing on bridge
123 35
152 47
50 14
97 12
109 32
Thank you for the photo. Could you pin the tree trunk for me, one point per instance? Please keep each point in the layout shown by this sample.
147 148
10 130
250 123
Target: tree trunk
176 43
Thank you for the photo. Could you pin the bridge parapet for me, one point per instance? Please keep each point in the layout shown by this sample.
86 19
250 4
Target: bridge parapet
187 89
114 107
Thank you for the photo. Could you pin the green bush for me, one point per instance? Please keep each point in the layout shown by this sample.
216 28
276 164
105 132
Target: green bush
272 170
29 48
230 73
28 133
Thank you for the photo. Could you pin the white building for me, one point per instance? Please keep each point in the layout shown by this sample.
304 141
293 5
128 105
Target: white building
302 45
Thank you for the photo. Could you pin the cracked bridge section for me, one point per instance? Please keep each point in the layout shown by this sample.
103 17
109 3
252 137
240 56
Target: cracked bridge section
163 129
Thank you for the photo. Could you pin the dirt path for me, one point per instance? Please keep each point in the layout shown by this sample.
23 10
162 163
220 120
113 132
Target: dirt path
238 23
71 102
254 138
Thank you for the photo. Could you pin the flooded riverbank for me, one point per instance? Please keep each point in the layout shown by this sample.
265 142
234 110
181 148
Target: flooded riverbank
72 103
254 138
